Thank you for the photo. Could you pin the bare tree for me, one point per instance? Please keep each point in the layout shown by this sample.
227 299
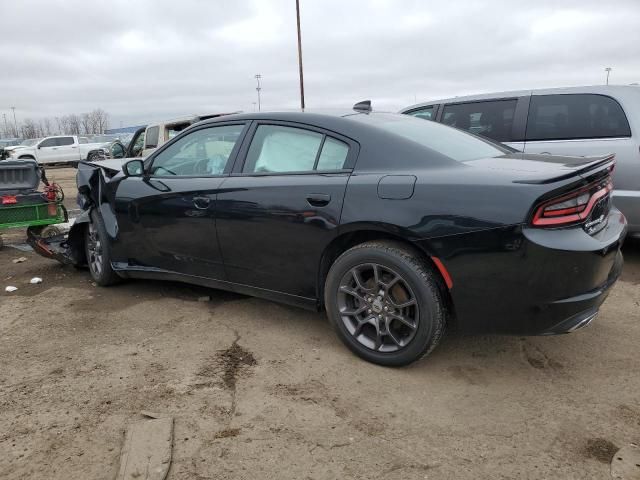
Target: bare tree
29 129
99 120
74 124
46 127
85 119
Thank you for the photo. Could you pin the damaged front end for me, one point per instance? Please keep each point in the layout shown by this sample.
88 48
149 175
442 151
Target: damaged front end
92 180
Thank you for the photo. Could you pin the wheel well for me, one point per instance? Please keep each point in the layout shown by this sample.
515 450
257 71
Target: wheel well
348 240
31 157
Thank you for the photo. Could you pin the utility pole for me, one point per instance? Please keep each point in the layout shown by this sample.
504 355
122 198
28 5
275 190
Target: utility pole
15 124
6 129
608 70
258 88
254 106
300 55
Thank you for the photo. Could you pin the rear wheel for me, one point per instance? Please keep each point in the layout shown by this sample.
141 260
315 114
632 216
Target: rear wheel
98 252
385 303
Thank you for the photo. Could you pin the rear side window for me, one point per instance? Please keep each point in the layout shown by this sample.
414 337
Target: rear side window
572 116
280 149
151 137
493 119
62 141
425 113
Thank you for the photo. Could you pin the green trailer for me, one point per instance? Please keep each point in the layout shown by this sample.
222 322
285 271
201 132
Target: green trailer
22 205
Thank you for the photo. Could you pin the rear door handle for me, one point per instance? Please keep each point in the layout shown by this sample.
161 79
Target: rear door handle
201 203
318 199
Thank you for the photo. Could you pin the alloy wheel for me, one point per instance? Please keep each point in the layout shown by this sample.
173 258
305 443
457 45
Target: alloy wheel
378 307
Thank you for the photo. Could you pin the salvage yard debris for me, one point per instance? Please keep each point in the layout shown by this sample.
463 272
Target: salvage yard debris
625 464
35 280
10 289
20 260
146 453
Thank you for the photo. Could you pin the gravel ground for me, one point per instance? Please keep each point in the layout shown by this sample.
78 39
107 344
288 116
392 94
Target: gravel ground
261 390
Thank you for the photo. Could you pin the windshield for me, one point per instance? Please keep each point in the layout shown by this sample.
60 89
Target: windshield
448 141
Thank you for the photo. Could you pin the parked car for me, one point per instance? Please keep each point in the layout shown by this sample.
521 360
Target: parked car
8 151
397 226
147 139
560 121
7 142
55 149
113 149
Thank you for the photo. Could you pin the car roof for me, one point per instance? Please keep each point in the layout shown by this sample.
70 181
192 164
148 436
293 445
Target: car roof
616 91
334 119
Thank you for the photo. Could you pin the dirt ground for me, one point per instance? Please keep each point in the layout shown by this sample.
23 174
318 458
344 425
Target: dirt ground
260 390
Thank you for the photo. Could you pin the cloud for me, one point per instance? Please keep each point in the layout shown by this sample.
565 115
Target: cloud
148 60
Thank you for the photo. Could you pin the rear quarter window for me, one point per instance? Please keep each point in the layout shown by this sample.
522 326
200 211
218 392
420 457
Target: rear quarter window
450 142
575 116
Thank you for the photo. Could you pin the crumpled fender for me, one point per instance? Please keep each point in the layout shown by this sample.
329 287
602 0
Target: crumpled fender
94 192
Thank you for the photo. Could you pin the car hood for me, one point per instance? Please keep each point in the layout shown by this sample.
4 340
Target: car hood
537 168
15 147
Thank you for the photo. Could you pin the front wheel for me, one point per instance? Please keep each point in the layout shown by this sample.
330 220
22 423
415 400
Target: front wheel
98 252
384 303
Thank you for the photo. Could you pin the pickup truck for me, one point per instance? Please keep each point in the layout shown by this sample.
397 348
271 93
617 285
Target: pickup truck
58 149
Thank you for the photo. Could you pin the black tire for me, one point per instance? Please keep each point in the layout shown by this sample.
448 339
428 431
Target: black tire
98 252
419 282
93 157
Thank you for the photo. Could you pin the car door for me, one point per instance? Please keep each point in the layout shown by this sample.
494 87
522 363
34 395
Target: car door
281 206
67 150
47 150
166 217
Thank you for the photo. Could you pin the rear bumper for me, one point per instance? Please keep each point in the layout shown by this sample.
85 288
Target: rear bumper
587 304
526 281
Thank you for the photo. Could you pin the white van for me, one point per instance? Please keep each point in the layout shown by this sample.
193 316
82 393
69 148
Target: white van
559 121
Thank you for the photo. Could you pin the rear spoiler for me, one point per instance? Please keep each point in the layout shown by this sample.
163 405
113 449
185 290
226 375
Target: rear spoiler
592 165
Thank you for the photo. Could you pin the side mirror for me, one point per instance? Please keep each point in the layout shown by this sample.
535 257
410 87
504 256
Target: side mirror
39 147
133 168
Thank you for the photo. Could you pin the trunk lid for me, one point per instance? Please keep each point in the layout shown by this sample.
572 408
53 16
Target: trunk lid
531 168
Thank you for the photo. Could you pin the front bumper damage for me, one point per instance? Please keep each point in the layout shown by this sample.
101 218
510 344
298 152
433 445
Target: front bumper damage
92 180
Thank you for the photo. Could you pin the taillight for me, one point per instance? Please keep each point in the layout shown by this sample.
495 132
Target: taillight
572 208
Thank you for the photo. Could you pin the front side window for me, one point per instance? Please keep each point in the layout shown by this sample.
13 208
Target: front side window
203 152
425 113
49 142
151 137
279 149
492 119
138 146
572 116
64 141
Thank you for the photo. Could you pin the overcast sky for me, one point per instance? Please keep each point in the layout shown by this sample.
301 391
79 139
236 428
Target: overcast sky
145 60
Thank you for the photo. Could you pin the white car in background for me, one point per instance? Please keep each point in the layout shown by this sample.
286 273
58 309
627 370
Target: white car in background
559 121
56 149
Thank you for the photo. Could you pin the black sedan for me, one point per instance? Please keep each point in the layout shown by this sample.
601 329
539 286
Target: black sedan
398 227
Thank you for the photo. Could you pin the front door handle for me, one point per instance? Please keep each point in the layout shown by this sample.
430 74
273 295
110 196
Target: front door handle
318 199
201 203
